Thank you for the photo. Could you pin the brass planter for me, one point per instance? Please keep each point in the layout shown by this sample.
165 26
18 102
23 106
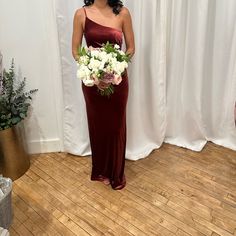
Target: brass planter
14 161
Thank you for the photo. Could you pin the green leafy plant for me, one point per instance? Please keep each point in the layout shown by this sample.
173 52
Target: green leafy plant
109 48
14 101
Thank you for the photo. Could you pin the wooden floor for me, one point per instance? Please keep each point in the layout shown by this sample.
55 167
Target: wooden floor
172 192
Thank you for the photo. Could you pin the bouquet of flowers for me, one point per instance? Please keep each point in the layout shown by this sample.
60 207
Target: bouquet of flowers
102 66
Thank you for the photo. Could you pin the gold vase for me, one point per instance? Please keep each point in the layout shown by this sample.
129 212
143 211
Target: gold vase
14 161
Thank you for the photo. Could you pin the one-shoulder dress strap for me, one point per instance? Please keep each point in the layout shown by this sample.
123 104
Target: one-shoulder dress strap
85 12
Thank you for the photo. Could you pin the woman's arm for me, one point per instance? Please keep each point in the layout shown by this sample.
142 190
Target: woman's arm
128 31
77 32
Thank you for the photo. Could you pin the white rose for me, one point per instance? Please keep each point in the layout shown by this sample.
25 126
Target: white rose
84 60
89 82
113 61
119 67
94 64
108 69
109 56
83 72
102 55
116 65
117 46
125 64
102 65
94 53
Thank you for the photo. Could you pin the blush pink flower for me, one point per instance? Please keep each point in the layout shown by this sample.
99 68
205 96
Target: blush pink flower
95 78
117 80
108 78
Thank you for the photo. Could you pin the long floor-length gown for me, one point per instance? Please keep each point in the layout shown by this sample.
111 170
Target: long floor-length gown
106 115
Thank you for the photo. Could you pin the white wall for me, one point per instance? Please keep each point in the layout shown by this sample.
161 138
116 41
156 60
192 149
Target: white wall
28 33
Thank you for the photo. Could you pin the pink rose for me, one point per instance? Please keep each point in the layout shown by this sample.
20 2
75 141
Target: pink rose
108 78
117 80
96 80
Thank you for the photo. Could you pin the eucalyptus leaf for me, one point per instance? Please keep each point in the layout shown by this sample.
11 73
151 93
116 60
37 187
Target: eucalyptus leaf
14 101
22 115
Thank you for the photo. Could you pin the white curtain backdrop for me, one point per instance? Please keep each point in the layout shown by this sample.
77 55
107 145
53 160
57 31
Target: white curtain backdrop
201 73
28 33
182 78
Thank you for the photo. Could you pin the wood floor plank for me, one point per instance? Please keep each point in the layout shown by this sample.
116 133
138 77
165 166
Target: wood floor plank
58 202
34 228
79 200
134 215
20 215
173 182
37 204
13 232
174 191
223 221
22 230
181 233
149 229
33 215
15 224
170 215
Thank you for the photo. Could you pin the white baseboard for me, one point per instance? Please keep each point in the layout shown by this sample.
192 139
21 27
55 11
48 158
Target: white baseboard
44 146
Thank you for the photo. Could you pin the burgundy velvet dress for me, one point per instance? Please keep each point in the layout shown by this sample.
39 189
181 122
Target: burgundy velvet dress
106 115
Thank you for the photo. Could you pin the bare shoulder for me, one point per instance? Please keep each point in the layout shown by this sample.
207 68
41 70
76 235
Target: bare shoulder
79 13
125 13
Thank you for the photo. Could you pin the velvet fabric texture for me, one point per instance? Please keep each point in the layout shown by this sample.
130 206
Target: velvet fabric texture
106 115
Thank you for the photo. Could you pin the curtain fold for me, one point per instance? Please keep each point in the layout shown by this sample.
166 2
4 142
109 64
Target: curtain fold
146 120
201 73
76 138
182 77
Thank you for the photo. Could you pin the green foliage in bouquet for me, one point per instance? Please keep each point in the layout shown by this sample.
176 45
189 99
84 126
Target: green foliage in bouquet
14 101
108 91
103 65
82 51
109 48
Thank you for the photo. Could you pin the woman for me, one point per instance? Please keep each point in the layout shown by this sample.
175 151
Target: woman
101 21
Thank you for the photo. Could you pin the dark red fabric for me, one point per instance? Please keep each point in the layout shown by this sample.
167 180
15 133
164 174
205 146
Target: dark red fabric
106 116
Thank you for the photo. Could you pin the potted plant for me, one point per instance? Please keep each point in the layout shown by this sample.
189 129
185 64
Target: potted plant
14 104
